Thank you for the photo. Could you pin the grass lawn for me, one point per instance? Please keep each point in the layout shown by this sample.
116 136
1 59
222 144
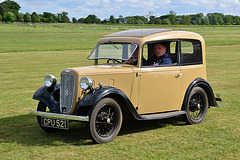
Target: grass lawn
29 52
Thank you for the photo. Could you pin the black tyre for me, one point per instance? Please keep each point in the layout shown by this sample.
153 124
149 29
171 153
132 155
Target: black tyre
105 121
197 106
43 108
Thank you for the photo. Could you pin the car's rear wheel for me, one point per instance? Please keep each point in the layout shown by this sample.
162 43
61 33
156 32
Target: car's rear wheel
43 108
197 106
105 121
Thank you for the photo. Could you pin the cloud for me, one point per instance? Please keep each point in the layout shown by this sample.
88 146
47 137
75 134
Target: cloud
104 8
106 1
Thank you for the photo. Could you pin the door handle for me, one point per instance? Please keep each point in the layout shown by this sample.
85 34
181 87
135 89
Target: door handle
178 75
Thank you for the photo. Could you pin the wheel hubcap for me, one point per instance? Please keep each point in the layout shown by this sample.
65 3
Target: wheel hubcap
108 120
196 105
105 120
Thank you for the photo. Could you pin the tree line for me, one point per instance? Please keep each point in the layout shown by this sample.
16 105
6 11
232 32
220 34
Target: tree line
9 13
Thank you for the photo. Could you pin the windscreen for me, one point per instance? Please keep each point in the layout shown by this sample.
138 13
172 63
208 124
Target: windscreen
120 51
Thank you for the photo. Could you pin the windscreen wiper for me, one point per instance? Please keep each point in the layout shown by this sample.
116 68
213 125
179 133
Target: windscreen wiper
113 44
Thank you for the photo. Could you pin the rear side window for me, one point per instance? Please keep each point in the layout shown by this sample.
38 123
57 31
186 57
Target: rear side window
191 52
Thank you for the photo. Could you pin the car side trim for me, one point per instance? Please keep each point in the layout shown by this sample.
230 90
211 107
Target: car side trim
162 115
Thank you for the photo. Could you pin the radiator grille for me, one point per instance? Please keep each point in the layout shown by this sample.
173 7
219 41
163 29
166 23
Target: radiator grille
67 88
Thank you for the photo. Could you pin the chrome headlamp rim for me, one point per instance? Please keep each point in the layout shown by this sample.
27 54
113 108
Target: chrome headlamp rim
50 80
86 83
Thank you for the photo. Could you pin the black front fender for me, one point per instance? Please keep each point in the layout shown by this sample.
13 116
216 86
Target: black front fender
97 94
93 97
49 96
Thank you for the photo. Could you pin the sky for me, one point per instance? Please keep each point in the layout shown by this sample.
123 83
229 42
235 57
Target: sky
103 9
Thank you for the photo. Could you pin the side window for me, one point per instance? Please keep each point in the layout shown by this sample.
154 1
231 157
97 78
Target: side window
145 52
191 52
169 47
173 52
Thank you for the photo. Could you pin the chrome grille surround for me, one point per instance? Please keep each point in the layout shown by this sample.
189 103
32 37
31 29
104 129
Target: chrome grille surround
67 89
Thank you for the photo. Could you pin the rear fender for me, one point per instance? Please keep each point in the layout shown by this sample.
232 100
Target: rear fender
207 88
49 96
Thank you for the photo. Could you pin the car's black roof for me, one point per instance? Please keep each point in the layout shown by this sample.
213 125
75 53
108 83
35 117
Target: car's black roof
137 32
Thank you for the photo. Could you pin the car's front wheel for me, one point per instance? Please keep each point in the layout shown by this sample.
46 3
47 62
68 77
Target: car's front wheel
43 108
197 106
105 121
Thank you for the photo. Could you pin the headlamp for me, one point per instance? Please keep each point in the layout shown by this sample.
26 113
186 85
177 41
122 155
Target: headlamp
50 80
86 83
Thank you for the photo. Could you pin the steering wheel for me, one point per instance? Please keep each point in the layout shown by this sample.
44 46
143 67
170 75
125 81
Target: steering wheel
114 61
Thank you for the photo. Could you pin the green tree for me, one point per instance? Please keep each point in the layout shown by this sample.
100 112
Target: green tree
59 18
74 20
20 17
98 21
228 19
236 20
158 20
0 17
49 17
166 22
130 20
9 17
9 6
27 17
42 19
205 21
65 18
87 20
215 18
104 21
81 20
92 19
120 19
35 17
112 19
152 20
172 17
139 21
186 20
197 19
142 18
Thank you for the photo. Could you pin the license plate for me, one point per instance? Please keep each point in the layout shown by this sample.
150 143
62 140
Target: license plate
55 123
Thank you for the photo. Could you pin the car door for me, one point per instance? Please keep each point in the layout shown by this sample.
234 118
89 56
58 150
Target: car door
192 62
159 89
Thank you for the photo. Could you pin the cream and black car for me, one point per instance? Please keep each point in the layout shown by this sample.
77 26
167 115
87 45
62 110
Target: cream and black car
111 90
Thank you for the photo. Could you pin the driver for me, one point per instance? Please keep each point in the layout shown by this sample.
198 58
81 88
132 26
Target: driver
133 60
160 56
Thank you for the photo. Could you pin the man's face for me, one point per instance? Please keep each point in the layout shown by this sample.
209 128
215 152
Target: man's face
159 50
135 54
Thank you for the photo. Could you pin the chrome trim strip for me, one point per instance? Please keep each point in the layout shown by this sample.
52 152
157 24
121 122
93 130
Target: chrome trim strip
61 116
162 115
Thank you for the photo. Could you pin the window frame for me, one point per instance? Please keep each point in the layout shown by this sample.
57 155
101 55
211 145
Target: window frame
177 49
181 54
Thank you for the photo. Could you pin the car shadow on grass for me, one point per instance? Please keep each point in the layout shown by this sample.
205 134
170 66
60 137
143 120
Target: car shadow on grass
24 129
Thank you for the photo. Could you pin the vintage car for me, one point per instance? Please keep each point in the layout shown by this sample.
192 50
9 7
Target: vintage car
122 86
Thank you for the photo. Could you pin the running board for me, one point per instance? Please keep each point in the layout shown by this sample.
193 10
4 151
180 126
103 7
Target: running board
162 115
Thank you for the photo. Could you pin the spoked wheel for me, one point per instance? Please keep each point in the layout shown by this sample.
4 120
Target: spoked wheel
105 121
197 106
43 108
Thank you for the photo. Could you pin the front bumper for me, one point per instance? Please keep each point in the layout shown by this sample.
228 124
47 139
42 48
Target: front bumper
61 116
